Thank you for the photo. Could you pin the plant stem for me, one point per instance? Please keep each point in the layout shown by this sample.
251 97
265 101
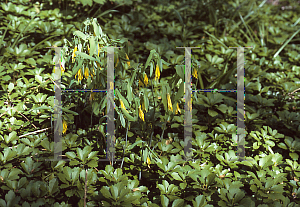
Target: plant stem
125 146
85 188
153 119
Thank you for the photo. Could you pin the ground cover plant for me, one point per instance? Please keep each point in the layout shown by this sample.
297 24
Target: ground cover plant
149 103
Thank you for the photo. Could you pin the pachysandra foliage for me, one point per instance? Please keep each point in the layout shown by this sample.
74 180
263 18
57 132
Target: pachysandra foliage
149 103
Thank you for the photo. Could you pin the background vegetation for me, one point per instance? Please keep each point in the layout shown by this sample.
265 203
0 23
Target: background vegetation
149 103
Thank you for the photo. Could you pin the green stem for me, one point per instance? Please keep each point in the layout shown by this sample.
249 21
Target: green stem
153 119
161 135
125 145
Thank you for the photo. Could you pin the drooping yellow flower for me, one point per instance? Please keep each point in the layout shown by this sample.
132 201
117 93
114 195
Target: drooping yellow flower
148 162
65 126
98 64
93 73
145 79
141 114
177 109
86 73
195 74
62 68
128 62
117 62
79 74
74 55
122 105
157 73
88 48
169 102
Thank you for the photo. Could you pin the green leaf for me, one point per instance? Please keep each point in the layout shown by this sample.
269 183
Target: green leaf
10 87
96 107
95 25
70 155
114 192
122 120
164 97
39 79
294 156
199 201
208 57
222 108
255 145
30 61
164 201
6 78
180 71
151 69
70 193
212 113
176 176
85 56
178 203
146 100
11 137
92 163
180 92
80 34
92 45
265 161
122 98
100 2
80 153
148 61
69 111
128 116
129 92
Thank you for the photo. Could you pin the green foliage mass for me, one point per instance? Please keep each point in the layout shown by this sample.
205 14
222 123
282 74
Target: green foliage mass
151 169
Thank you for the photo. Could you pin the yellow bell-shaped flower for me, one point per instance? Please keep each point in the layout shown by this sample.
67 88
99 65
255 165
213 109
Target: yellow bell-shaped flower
65 126
157 73
145 79
169 102
74 55
141 114
122 105
93 73
128 62
177 109
195 74
98 65
86 73
117 62
148 162
79 75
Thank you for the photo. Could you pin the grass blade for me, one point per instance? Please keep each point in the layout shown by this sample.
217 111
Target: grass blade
287 42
